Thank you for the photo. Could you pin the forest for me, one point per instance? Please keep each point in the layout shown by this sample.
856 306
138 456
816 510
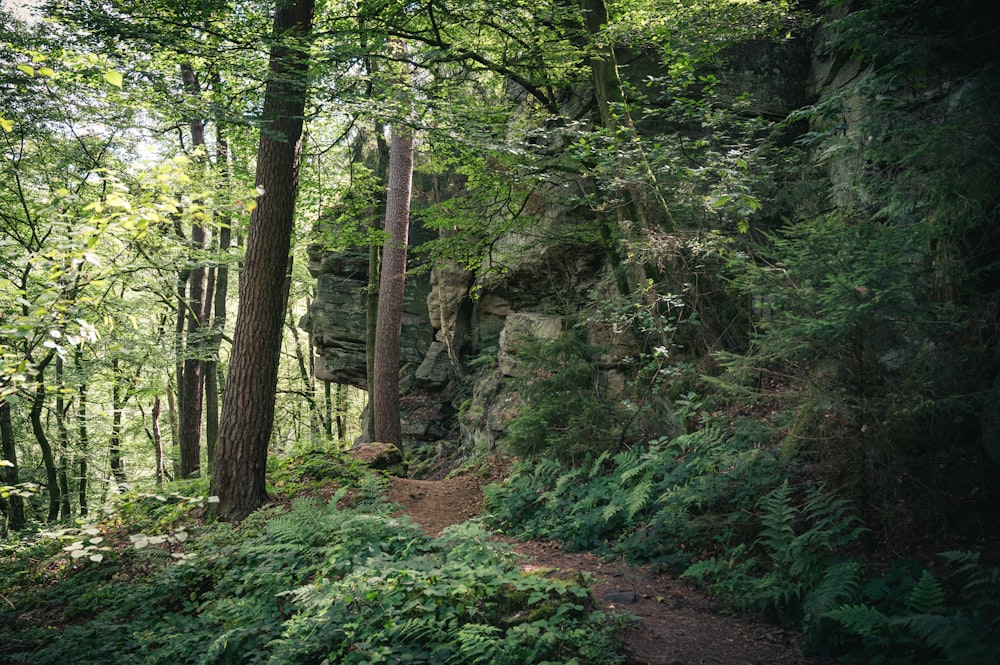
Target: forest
706 289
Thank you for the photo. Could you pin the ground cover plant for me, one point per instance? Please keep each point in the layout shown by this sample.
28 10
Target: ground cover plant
306 581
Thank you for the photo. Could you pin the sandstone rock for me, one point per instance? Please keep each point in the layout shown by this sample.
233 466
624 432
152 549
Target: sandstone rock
521 330
382 456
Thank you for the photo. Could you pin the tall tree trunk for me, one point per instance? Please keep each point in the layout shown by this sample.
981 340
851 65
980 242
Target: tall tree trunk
63 440
633 217
213 384
157 441
83 443
341 411
35 417
15 517
375 222
248 404
308 386
392 283
192 385
118 397
172 417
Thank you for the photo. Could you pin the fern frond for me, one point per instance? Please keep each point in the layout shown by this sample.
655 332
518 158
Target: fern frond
597 468
860 619
841 582
927 596
637 469
778 521
639 497
478 644
942 633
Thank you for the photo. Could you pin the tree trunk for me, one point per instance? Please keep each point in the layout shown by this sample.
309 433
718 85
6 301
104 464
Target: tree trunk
83 444
341 412
392 282
192 385
633 217
220 292
63 440
172 417
158 441
375 222
35 417
117 405
15 517
248 405
308 386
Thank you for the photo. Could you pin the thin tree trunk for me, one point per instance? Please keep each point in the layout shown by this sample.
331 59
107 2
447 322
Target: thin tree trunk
16 519
308 388
172 417
63 440
248 404
192 385
341 412
83 443
157 441
392 283
117 405
213 384
35 417
220 293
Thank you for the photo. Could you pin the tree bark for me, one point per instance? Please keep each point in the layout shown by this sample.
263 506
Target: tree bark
118 397
63 440
392 282
220 293
35 417
371 299
15 517
157 441
248 404
84 439
191 387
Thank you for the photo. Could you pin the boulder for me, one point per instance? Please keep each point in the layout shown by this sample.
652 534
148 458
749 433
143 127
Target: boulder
378 455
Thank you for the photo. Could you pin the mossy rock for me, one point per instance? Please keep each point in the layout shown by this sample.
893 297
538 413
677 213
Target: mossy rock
381 456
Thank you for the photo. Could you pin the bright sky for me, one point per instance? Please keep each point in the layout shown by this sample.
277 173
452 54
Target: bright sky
20 8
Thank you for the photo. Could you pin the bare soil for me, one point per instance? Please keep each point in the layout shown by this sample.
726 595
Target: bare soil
675 623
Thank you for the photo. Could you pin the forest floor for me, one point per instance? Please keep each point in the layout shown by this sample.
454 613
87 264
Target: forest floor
675 624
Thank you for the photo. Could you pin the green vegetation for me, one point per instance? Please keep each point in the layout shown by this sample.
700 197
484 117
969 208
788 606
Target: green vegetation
762 237
339 580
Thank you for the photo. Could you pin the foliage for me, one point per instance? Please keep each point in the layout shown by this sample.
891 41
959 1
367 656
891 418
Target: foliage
565 409
665 502
794 569
927 618
310 582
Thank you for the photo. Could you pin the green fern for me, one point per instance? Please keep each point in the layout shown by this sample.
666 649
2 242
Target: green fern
638 498
478 644
841 583
778 522
861 619
927 596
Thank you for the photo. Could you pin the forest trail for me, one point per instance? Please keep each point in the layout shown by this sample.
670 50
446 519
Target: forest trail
676 625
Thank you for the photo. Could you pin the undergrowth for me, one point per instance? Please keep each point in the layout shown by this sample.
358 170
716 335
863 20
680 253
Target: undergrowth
727 513
313 582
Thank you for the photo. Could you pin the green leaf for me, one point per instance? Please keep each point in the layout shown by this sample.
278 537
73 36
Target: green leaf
6 125
113 77
27 69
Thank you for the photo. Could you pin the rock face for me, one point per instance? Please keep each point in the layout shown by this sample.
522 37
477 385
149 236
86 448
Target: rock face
462 332
460 351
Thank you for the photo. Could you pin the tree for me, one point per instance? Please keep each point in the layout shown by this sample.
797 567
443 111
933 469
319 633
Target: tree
248 404
392 282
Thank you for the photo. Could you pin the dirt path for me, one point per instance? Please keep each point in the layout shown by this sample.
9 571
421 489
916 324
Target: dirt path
676 624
